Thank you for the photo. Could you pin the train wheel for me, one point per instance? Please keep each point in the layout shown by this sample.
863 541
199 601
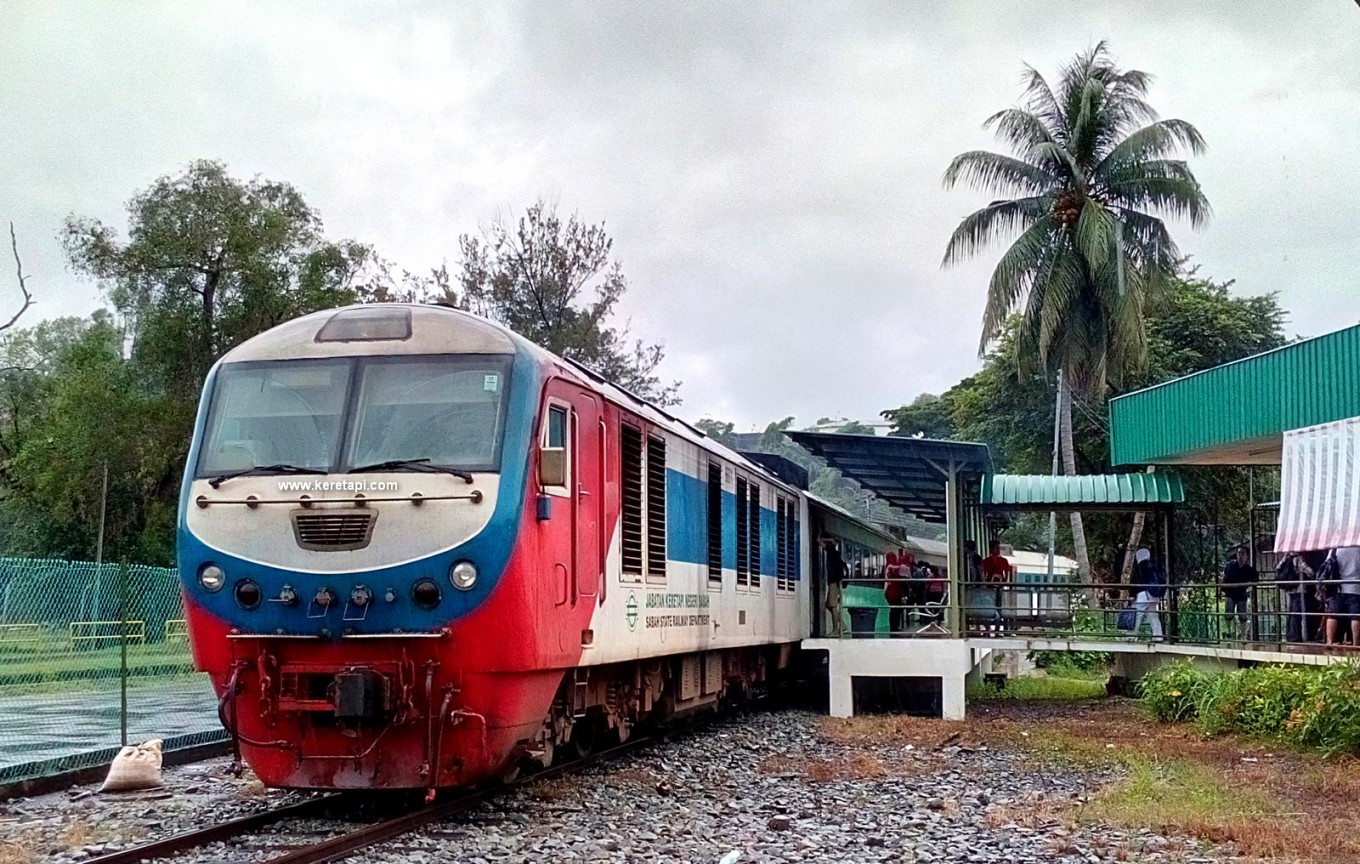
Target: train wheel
585 738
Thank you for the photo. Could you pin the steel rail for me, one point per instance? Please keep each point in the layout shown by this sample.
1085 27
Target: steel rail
339 848
179 843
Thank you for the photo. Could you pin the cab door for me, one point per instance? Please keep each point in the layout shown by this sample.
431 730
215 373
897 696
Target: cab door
588 455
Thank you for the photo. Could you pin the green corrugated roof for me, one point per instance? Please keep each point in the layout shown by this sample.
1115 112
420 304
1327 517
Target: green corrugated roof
1041 491
1237 413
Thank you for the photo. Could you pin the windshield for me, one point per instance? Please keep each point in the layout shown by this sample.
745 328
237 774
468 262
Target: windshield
446 409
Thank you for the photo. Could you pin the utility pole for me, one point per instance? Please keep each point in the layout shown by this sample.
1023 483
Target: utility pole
103 508
1057 439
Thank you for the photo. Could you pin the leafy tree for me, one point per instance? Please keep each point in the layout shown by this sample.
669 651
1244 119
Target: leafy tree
210 261
554 283
1091 166
723 433
89 411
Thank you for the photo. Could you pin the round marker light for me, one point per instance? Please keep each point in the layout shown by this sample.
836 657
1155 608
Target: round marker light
360 596
248 594
463 575
211 577
425 593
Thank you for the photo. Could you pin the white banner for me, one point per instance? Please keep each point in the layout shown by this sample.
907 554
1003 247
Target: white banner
1320 488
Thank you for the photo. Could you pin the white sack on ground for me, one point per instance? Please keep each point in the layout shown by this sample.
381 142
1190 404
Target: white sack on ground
135 767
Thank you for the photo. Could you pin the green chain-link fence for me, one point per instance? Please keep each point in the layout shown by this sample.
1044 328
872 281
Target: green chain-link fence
91 657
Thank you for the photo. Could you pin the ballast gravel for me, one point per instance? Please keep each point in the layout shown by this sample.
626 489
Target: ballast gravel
762 788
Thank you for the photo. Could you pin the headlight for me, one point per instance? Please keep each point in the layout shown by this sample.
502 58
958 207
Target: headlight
211 577
360 596
463 575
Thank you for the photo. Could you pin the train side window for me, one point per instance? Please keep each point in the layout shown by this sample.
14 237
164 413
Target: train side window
715 521
795 559
753 522
555 456
656 509
743 550
630 455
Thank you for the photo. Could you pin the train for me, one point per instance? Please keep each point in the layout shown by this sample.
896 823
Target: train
419 551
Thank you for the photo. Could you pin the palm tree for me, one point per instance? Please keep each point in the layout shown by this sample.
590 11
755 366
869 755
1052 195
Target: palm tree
1091 165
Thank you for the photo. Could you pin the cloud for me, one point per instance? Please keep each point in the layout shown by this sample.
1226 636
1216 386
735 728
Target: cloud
769 171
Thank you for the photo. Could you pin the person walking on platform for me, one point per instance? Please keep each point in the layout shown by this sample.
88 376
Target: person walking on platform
1239 580
996 571
1294 575
981 606
1149 583
1344 605
895 575
835 576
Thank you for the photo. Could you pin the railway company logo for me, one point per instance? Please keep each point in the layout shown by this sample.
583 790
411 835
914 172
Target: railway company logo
631 611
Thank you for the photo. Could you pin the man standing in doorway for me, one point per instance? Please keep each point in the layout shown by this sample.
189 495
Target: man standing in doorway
835 576
1239 578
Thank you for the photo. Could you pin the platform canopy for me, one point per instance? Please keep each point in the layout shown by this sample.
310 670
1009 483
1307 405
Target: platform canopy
1086 492
908 473
1237 414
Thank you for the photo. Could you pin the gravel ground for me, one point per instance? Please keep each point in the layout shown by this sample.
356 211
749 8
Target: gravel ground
78 823
766 788
770 790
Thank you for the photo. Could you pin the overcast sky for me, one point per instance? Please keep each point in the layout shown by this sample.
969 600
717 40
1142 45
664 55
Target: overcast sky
770 172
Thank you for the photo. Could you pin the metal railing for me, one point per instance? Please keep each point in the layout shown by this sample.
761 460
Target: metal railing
93 656
1265 614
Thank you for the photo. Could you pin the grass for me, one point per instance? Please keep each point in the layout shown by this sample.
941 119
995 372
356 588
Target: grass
1040 688
1269 801
1160 792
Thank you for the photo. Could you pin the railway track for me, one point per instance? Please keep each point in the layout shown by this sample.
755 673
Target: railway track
348 843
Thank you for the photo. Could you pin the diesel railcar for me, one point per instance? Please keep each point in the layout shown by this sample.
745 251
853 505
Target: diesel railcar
419 551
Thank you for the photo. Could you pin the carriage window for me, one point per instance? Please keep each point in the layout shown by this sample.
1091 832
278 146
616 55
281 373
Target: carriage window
283 412
557 426
715 522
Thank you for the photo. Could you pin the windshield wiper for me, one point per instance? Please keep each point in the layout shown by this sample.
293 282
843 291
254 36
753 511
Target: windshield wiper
280 468
413 464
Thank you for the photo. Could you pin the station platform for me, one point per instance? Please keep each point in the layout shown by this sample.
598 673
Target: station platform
953 661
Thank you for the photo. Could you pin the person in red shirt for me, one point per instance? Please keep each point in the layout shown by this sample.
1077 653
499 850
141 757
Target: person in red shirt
895 576
996 570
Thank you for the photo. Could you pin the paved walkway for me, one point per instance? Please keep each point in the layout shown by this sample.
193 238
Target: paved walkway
54 724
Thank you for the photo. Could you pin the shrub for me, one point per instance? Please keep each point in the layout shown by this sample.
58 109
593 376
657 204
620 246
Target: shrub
1329 716
1256 702
1315 707
1171 693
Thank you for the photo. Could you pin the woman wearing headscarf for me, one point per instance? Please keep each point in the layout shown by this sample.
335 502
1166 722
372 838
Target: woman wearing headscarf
1149 585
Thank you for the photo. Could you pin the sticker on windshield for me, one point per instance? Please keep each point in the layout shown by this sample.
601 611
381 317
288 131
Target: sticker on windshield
490 383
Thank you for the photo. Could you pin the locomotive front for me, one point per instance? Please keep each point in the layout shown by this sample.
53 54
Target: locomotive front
349 548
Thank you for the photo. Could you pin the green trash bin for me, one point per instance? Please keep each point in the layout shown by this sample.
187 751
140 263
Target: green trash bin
863 621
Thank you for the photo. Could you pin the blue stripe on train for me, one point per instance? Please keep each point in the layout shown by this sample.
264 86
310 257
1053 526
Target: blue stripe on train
687 527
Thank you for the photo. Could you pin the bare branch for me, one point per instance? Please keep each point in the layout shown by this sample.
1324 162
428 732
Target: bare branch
23 280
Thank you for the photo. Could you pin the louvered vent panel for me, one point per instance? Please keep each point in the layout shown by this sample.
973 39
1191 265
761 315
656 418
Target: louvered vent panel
656 507
333 531
631 455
